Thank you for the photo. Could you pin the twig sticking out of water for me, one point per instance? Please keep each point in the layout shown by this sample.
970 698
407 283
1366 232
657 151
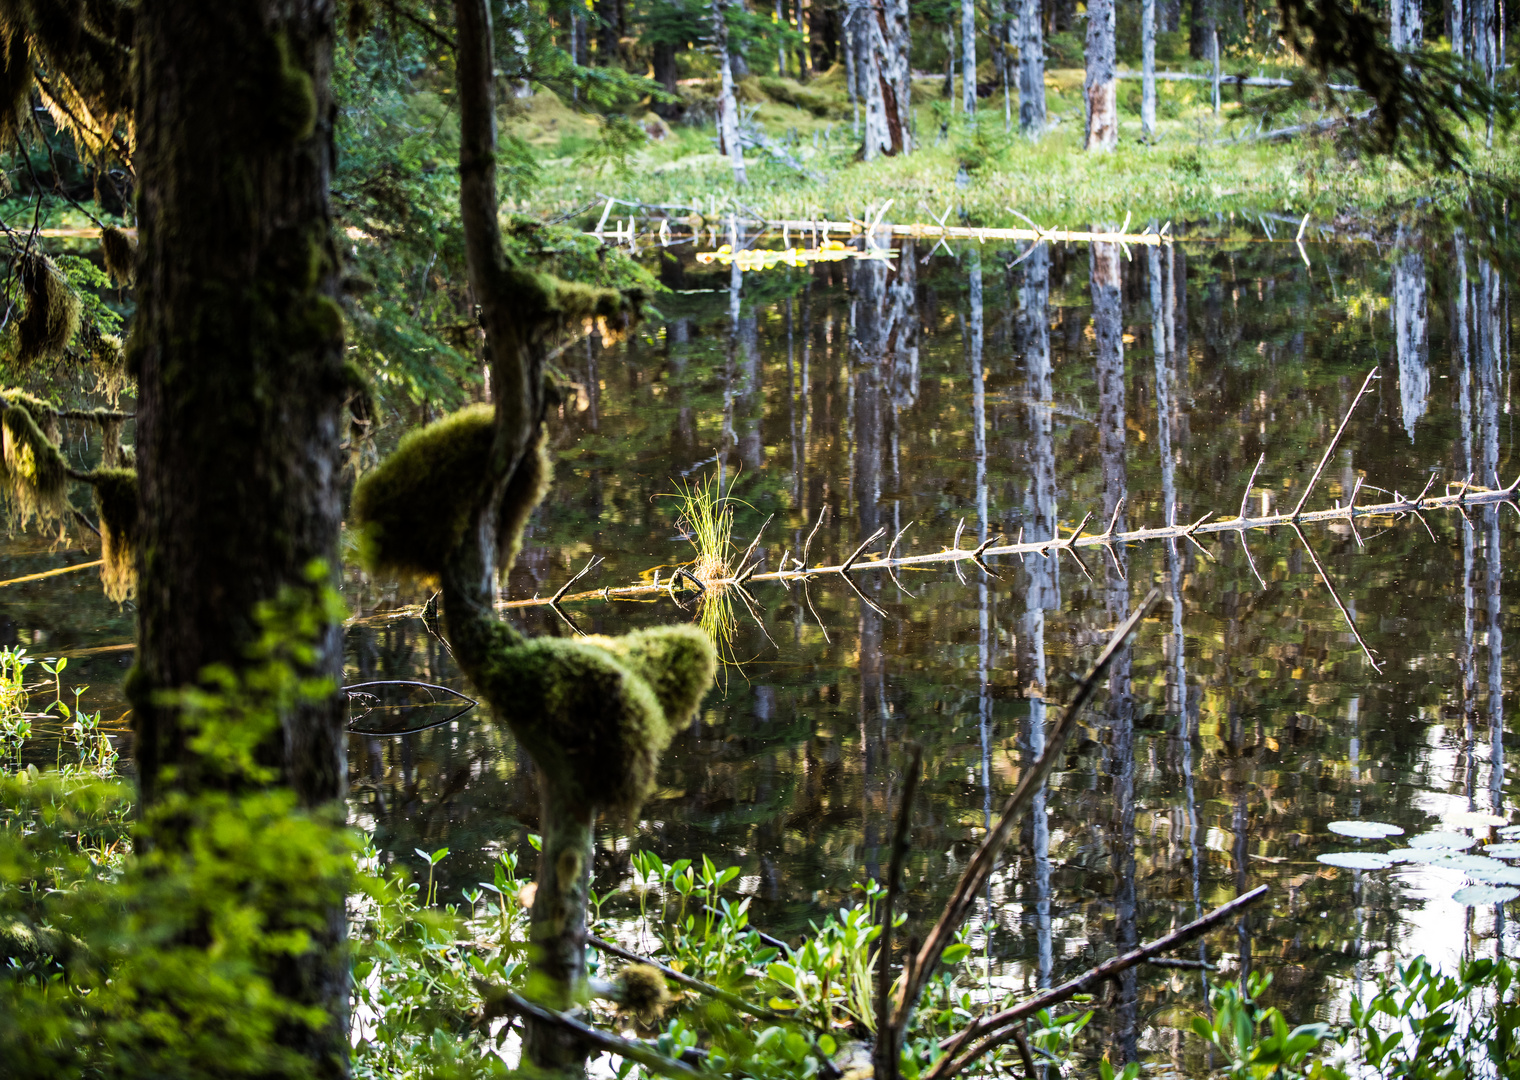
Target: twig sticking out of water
922 966
990 1032
1331 448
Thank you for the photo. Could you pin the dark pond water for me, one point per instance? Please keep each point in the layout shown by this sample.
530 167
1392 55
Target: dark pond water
1019 398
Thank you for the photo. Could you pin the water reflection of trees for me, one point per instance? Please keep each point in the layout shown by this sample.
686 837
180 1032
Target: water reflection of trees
945 390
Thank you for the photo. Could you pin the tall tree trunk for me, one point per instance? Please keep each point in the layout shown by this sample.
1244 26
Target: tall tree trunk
1031 69
804 57
238 353
728 103
781 20
1168 16
968 59
1410 319
1200 28
609 31
663 63
1148 69
1100 87
1408 25
949 32
1456 28
885 79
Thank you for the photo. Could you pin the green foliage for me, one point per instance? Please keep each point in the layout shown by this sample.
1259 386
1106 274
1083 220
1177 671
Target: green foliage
168 962
1256 1041
50 312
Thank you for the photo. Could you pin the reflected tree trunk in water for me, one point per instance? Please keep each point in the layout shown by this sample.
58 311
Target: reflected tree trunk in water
1108 326
1489 327
1042 579
1409 328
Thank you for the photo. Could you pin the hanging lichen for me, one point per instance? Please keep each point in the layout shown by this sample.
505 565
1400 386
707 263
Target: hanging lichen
35 470
416 505
641 991
118 251
15 81
116 504
50 310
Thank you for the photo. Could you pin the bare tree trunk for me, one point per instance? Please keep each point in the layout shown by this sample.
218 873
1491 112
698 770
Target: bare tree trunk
238 353
1456 28
1148 69
1100 87
885 79
949 32
968 59
1031 43
1201 29
804 59
1408 24
1410 318
728 103
847 39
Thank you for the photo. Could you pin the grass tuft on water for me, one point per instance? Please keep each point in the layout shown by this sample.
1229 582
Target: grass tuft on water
705 513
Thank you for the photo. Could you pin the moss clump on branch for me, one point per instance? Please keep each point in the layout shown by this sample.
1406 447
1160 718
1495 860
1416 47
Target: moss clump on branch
641 991
50 312
596 713
116 503
118 251
415 507
35 470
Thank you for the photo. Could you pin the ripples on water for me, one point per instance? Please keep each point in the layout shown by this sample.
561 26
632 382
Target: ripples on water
1019 398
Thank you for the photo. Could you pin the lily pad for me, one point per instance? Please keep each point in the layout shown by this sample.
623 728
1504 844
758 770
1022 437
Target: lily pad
1477 895
1364 830
1510 832
1468 864
1503 851
1474 819
1448 840
1357 860
1412 854
1497 873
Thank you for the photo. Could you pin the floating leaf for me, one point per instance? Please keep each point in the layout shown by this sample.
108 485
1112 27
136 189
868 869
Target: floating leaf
1496 873
1474 819
1364 830
1410 854
1503 851
1468 864
1510 832
1476 895
1357 860
1449 840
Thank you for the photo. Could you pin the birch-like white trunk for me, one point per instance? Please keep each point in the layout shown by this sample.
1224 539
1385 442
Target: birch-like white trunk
885 78
968 59
1100 87
1410 320
1031 41
1408 27
728 102
1148 69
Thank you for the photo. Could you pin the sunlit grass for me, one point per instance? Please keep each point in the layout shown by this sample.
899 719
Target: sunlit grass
705 513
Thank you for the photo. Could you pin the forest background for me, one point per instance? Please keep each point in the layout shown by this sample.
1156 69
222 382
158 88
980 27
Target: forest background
218 935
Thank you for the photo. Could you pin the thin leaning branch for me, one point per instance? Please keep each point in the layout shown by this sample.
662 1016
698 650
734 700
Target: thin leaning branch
990 1032
1367 382
501 1001
924 964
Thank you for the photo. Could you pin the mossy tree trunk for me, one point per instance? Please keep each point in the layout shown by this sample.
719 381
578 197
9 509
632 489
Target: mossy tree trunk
469 576
237 348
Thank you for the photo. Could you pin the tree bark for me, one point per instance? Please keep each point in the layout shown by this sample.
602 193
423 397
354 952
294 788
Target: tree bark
1408 25
1148 68
886 79
1031 42
1100 86
968 59
728 103
1201 27
609 31
238 352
